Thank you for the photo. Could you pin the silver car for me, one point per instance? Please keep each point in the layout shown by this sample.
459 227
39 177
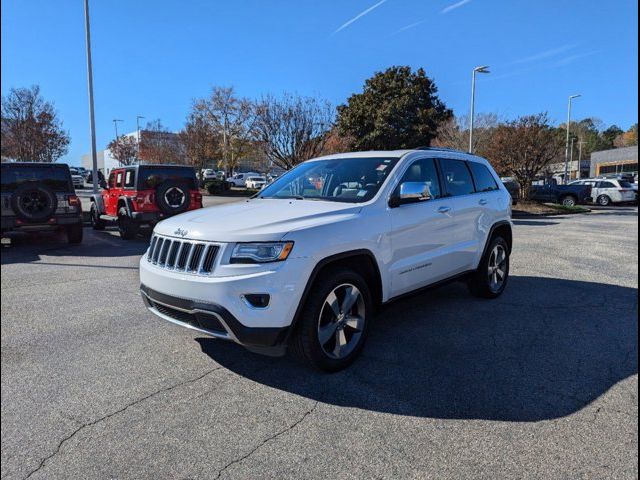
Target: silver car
606 191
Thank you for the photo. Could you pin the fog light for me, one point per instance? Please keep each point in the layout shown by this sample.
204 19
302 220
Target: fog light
257 300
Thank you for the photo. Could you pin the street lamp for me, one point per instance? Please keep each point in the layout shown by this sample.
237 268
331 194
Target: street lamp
138 118
483 69
115 125
566 152
92 122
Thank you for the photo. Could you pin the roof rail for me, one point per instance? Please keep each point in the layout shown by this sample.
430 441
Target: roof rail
444 149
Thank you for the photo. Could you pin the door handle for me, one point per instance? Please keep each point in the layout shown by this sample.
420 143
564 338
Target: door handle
483 201
444 209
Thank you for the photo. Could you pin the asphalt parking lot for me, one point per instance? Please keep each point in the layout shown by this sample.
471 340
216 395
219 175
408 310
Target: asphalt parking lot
541 383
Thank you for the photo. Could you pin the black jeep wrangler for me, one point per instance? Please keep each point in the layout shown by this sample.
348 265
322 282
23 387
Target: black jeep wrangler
38 197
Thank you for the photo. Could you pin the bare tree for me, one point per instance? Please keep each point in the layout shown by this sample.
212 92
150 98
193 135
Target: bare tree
200 140
231 118
31 130
454 133
124 149
524 147
292 129
159 145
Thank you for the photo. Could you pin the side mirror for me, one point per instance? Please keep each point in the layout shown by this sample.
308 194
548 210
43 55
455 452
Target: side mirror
411 192
103 184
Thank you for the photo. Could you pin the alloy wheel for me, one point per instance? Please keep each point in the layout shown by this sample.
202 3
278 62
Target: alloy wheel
497 269
341 321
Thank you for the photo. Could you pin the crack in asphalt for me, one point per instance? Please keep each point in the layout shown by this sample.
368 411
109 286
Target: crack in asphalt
108 416
272 437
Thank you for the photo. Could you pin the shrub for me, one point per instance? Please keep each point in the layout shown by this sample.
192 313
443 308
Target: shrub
217 186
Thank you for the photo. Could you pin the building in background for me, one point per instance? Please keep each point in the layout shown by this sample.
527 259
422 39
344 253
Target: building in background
617 160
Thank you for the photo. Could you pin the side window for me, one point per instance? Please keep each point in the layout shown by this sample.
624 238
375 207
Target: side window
482 177
457 178
112 180
129 178
607 185
119 179
424 171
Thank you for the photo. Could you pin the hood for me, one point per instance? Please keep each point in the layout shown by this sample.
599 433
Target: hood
255 219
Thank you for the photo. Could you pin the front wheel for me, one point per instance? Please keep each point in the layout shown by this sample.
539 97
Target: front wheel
492 275
96 222
335 321
127 226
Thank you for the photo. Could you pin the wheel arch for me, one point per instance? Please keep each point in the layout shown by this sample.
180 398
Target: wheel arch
362 261
124 201
502 228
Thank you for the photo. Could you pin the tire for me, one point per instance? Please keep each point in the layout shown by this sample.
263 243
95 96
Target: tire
485 281
318 315
173 197
34 202
569 201
96 222
603 200
74 233
127 226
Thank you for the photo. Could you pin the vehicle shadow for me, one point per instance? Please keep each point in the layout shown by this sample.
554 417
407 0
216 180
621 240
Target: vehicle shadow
27 248
546 349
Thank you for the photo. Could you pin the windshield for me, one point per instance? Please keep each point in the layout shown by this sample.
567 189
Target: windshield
351 180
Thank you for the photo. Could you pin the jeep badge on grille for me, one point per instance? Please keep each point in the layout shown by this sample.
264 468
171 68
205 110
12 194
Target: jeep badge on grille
182 233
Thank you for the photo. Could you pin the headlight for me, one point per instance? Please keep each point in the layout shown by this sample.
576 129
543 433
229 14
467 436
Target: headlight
261 252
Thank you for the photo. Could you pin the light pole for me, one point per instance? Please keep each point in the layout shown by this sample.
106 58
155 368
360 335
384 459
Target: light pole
566 152
580 143
115 125
483 69
92 122
138 118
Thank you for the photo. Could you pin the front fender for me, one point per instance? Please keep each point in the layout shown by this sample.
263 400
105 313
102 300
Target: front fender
99 202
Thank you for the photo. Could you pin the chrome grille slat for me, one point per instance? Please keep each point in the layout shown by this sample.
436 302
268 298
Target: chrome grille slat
189 256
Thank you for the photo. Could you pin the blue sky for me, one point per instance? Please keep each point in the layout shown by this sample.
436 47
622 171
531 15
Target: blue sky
153 57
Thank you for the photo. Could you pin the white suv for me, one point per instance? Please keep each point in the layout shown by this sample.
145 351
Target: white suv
327 243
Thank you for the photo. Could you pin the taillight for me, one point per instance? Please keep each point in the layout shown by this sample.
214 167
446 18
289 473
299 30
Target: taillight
196 198
74 201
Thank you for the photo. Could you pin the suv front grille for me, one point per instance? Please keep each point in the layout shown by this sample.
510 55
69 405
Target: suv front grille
189 256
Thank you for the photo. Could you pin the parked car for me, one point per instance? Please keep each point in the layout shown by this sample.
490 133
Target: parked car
312 265
143 195
608 191
567 195
38 197
513 187
209 174
76 177
256 182
89 177
239 179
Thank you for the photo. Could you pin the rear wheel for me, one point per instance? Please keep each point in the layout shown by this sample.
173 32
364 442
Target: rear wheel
127 226
96 222
492 275
569 201
603 200
334 322
74 233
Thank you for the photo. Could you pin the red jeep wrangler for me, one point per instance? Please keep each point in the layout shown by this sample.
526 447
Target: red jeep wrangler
144 194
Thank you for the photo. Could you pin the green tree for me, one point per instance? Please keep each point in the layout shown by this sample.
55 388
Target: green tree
398 108
611 133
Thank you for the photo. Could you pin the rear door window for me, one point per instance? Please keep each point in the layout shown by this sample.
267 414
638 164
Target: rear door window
457 178
606 185
482 178
129 178
53 176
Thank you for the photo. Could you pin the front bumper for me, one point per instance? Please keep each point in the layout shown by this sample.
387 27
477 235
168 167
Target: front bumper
214 320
